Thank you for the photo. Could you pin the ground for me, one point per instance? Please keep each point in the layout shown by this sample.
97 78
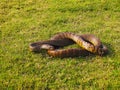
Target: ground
26 21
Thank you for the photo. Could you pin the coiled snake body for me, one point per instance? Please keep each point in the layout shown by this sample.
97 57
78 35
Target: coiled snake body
88 42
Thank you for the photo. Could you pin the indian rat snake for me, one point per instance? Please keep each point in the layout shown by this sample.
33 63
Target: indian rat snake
89 43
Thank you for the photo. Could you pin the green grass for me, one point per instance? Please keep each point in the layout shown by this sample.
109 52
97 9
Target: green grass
26 21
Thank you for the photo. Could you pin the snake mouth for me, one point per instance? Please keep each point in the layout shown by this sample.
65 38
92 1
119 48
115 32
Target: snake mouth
100 52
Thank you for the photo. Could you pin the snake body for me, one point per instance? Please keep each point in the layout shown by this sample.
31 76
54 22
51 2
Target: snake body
89 43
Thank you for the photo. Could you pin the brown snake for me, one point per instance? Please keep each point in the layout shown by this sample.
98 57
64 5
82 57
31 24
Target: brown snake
88 42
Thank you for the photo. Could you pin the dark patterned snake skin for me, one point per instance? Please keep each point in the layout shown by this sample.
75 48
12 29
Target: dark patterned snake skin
89 43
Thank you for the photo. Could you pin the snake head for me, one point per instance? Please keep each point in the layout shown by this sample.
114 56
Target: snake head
103 50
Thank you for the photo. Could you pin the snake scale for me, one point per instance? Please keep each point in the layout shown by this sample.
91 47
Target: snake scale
89 43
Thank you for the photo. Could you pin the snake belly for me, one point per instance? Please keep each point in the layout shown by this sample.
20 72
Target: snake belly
89 43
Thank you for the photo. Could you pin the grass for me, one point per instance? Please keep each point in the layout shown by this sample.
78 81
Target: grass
26 21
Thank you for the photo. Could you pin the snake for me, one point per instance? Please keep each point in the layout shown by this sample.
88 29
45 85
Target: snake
89 44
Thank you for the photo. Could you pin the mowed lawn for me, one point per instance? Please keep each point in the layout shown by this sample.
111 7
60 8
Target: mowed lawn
25 21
